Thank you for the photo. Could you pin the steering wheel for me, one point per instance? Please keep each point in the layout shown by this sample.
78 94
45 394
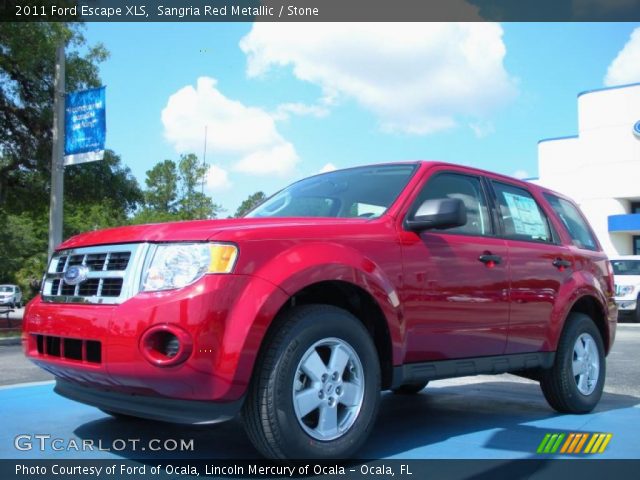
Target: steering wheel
286 201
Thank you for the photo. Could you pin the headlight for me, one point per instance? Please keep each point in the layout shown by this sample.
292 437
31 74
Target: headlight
624 290
180 264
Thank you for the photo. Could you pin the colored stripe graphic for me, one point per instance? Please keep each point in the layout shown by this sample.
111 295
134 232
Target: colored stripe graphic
568 442
543 443
597 443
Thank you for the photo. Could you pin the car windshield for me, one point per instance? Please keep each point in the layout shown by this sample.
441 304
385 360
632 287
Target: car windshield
364 192
6 289
626 267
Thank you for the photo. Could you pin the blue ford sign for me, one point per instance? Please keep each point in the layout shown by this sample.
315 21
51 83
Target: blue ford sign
636 128
85 126
76 274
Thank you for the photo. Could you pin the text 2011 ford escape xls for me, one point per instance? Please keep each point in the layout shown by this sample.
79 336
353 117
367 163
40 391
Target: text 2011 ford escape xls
337 287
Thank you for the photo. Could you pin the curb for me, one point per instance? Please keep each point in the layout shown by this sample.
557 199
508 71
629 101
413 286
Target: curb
10 341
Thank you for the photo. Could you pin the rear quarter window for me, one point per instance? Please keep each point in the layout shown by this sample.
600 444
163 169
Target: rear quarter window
573 221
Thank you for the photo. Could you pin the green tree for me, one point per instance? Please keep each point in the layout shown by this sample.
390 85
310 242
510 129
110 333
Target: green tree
99 195
27 59
251 202
193 204
162 187
174 192
96 194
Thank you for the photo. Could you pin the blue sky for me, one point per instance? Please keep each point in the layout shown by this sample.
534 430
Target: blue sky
282 102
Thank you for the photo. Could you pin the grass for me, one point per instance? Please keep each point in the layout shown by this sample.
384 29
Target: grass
10 332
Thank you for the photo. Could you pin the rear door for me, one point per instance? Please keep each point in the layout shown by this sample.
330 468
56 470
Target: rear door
539 265
456 286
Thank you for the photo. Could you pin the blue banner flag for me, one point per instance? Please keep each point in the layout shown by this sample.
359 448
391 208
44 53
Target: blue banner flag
85 126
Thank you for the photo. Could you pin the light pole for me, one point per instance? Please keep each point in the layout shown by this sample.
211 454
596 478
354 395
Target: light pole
57 153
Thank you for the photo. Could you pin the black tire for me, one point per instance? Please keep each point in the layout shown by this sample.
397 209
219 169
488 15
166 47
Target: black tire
636 313
269 414
559 385
410 388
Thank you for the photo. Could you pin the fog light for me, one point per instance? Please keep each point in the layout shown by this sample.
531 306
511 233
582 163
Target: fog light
165 345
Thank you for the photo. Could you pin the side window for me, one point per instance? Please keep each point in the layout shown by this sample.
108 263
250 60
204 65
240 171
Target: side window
573 221
466 188
521 216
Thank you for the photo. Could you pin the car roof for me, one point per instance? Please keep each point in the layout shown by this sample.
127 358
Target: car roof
625 257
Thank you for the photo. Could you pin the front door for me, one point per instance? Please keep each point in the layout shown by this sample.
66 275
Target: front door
456 285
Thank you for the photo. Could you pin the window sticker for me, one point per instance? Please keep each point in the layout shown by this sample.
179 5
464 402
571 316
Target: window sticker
526 216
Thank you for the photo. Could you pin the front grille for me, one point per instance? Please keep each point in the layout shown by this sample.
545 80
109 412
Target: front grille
69 348
111 274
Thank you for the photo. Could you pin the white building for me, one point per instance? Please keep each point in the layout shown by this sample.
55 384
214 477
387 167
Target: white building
600 167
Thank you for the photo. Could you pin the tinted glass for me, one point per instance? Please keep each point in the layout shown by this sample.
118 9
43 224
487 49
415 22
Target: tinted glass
522 218
469 190
573 221
364 192
626 267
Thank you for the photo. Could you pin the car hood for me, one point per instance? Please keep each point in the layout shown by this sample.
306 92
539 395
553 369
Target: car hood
222 230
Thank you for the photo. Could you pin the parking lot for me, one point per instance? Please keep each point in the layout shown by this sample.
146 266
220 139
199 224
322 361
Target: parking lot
498 417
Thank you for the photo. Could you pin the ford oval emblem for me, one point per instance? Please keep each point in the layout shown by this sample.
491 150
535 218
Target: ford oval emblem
76 274
636 129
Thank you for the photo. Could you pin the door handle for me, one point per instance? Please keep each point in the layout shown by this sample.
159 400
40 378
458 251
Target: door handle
561 263
490 260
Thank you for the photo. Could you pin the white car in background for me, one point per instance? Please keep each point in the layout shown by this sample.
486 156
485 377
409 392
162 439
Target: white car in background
10 295
626 271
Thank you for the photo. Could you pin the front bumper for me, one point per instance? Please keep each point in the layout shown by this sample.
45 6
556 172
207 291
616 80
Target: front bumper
100 346
626 304
153 408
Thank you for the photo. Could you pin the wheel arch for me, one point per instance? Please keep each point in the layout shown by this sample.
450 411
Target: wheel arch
361 304
587 303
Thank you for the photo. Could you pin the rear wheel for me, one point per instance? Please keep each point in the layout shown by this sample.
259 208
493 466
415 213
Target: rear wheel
410 388
575 382
316 387
636 313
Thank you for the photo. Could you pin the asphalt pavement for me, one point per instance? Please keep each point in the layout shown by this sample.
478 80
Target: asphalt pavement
496 417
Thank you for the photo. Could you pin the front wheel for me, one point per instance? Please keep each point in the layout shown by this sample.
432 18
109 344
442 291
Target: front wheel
316 387
575 382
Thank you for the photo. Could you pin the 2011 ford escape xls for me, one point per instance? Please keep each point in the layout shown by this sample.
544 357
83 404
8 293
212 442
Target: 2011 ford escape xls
342 285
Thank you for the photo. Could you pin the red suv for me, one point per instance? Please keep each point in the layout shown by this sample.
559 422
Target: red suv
340 286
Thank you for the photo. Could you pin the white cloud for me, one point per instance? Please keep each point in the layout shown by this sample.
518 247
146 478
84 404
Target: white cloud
278 159
218 178
416 77
285 110
247 134
625 68
329 167
521 174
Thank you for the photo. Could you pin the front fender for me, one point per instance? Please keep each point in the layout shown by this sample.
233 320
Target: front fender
300 266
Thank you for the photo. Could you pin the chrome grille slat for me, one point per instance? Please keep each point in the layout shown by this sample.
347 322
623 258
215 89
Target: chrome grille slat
112 277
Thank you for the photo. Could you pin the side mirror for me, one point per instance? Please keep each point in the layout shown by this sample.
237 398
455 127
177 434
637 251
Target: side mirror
438 213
